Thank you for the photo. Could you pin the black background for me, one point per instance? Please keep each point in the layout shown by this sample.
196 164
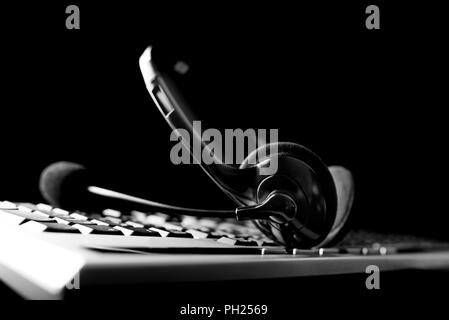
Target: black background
372 101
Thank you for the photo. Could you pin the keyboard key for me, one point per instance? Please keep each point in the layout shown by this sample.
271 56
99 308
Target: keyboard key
164 216
208 223
237 242
48 227
197 234
305 252
53 212
328 251
141 232
36 216
179 234
97 229
25 208
78 216
100 222
278 250
250 243
230 228
44 207
215 235
163 233
70 220
172 227
138 216
112 213
111 221
144 232
172 234
219 234
27 205
6 205
189 222
155 220
59 212
369 251
134 224
269 243
114 223
125 231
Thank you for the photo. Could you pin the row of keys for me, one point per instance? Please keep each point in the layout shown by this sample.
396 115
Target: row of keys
186 226
43 217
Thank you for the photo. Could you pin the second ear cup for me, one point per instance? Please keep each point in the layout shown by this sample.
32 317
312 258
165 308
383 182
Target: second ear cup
344 184
306 179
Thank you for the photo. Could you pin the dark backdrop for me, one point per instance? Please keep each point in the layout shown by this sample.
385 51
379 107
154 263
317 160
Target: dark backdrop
370 100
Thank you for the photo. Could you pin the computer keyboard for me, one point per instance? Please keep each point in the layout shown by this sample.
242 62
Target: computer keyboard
45 218
42 248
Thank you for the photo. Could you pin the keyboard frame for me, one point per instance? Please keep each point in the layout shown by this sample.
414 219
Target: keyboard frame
39 265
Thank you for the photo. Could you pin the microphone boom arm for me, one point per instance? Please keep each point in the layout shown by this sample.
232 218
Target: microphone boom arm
259 211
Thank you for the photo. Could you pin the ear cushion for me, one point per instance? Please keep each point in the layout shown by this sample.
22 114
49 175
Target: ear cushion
344 184
321 175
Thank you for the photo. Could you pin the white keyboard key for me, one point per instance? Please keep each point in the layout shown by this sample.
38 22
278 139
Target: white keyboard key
208 223
125 231
97 229
100 223
26 209
189 222
163 233
44 207
155 220
6 205
197 234
60 212
61 221
134 224
44 215
171 226
139 216
78 216
35 226
112 213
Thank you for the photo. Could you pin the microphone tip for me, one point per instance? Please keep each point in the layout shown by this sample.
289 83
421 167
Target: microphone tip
63 184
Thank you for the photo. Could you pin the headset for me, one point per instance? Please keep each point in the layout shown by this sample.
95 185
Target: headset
312 201
302 204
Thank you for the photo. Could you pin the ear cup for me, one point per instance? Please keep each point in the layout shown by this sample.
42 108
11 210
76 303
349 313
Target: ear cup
344 184
306 179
